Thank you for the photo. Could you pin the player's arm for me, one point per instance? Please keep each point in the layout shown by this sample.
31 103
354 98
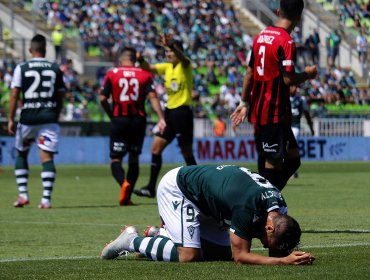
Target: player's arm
104 95
60 91
240 113
306 112
242 255
13 101
144 64
295 79
157 109
167 40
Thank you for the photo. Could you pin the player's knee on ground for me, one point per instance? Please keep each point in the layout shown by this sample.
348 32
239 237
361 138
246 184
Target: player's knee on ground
187 254
214 252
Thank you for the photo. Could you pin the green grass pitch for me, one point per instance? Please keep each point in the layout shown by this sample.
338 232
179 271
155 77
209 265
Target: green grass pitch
331 201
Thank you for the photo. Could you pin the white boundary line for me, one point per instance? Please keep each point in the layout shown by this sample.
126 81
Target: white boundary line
97 257
305 231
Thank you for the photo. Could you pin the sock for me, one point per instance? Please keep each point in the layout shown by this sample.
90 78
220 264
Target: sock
117 172
154 171
133 174
158 248
290 166
21 175
190 161
275 177
48 178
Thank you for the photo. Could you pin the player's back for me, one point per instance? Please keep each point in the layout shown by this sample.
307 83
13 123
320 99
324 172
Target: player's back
272 56
38 79
129 87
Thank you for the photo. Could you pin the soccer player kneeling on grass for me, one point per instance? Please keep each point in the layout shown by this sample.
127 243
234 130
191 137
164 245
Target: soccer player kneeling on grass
212 212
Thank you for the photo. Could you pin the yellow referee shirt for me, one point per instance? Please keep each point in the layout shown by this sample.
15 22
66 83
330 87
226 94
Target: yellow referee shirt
178 82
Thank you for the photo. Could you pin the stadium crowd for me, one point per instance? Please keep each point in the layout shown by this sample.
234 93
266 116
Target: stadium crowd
212 36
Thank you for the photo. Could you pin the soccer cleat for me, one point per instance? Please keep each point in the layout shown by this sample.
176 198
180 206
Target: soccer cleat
20 202
145 191
124 198
120 245
151 231
45 205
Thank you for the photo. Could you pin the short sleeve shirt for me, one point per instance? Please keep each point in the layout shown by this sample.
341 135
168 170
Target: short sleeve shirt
233 195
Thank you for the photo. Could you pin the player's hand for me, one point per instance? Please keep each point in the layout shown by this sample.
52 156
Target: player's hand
239 115
311 71
299 258
11 127
161 125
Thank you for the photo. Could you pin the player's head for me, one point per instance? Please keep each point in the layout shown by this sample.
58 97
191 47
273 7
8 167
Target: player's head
38 45
283 235
127 56
287 233
291 9
171 56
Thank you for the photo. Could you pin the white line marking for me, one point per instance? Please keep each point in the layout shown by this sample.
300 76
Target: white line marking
68 224
96 257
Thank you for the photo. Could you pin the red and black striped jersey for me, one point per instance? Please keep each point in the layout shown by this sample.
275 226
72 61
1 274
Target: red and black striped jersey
128 87
272 55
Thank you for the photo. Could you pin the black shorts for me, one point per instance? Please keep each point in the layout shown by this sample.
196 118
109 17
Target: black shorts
126 135
179 124
274 140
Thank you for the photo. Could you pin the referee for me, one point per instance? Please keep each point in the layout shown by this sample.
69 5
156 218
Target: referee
178 79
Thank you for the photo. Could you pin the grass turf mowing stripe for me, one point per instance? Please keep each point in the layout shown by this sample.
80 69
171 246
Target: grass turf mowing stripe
97 257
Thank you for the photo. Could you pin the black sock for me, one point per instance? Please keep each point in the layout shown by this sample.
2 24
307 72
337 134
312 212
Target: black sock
154 171
275 177
133 174
290 166
118 172
190 161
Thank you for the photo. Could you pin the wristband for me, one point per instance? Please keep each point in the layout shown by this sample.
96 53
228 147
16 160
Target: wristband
243 104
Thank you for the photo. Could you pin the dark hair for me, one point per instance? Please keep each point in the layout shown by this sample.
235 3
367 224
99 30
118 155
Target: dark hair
38 44
287 233
129 52
178 44
291 9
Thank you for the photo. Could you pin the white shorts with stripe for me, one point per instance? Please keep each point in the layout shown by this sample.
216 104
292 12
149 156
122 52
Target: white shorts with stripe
46 135
184 224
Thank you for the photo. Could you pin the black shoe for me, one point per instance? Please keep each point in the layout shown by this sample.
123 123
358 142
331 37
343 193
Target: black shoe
145 191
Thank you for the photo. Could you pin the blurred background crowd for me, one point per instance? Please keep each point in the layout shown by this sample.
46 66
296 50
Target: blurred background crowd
213 39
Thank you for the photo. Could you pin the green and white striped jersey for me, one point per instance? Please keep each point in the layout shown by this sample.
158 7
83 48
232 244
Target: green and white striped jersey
236 196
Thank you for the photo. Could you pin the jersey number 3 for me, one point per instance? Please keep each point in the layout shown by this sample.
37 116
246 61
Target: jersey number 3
130 89
261 67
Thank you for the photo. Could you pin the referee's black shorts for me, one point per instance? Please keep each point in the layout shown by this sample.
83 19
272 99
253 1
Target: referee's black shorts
179 124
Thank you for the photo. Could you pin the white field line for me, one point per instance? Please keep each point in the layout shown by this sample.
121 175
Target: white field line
306 231
61 223
96 257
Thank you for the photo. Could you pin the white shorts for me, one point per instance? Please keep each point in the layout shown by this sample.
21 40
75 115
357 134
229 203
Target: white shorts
46 135
184 224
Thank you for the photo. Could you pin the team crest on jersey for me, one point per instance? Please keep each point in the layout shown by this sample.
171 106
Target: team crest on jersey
191 231
43 139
